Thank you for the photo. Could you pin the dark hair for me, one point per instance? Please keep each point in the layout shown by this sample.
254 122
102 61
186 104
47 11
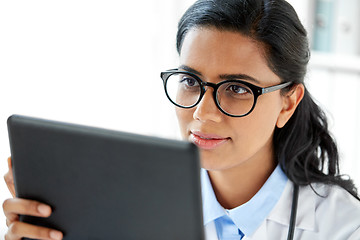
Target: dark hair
305 149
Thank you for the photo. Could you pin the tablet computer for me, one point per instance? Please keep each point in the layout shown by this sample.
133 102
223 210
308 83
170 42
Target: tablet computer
104 184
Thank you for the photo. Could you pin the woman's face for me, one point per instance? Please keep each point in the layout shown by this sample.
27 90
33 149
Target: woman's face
227 142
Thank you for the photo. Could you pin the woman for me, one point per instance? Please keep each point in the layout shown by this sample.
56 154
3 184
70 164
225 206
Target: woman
264 143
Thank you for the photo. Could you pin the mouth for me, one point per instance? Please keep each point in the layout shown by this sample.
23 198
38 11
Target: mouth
207 141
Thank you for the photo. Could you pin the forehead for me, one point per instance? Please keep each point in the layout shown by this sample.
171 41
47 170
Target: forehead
214 52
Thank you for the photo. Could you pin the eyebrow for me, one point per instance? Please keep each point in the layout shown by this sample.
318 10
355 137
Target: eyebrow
189 69
223 76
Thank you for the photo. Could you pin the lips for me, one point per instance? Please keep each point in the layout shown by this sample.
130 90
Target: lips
207 141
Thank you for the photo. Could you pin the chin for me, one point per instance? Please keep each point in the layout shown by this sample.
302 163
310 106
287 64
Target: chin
219 163
212 164
209 161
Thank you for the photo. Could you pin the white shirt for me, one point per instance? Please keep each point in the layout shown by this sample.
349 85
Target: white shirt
234 224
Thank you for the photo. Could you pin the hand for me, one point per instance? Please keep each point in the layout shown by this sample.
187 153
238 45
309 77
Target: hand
9 178
15 206
17 230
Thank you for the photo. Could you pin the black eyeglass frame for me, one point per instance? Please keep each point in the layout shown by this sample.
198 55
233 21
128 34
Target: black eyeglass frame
257 91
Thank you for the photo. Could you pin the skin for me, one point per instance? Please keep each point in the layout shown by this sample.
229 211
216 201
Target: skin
239 167
242 163
15 206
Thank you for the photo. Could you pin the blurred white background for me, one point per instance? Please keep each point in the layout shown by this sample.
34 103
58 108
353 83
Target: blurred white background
98 62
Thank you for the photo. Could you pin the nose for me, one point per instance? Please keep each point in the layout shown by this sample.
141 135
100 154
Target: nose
206 110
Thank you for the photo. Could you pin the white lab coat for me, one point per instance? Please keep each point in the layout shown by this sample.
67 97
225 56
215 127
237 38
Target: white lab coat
335 217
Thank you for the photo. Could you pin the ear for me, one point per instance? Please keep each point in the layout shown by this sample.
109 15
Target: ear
290 102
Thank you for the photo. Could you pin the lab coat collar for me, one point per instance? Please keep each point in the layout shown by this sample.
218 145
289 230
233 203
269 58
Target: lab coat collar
305 218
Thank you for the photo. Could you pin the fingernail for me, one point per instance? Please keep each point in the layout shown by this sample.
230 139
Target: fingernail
56 235
9 162
44 210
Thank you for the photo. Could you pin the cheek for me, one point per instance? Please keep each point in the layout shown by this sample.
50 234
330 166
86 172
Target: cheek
265 115
270 107
184 117
256 130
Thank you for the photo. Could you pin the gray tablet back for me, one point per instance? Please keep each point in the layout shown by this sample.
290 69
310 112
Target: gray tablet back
106 184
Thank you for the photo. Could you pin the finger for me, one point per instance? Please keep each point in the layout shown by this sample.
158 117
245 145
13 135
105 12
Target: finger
10 221
9 178
17 230
10 183
15 206
9 162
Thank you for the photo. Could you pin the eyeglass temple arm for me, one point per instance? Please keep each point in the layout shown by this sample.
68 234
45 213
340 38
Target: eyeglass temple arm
276 87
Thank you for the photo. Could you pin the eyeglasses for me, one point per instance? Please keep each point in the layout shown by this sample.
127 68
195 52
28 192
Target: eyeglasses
235 98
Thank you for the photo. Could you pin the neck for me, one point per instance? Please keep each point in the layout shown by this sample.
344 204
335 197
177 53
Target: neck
236 186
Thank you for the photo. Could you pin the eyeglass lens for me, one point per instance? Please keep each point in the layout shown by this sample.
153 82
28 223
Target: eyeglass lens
233 97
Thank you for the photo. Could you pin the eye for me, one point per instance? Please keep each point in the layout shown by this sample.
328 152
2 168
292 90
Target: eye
238 89
235 90
189 81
